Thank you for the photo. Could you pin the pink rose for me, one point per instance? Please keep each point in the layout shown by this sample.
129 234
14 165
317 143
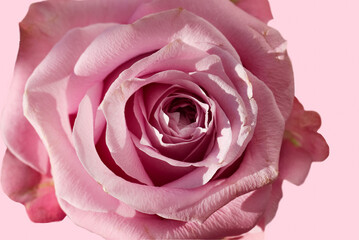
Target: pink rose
155 119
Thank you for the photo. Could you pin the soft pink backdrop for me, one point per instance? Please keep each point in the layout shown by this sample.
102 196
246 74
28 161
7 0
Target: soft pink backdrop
323 44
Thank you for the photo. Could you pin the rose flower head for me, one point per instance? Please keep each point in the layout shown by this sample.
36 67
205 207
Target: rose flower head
155 119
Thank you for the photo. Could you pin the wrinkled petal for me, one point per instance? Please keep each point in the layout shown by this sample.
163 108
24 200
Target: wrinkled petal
302 145
264 148
103 56
237 217
36 192
261 48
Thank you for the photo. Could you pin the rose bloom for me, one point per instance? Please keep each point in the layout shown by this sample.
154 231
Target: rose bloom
160 119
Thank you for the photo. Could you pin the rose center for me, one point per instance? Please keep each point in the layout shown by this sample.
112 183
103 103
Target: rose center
181 112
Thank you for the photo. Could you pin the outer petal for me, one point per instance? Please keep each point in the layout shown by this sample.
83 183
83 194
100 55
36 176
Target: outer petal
261 48
258 8
302 145
27 186
265 144
45 105
124 42
73 183
271 208
43 26
272 204
235 218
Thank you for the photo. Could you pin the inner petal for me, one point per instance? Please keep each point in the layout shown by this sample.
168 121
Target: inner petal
179 115
173 120
184 110
181 112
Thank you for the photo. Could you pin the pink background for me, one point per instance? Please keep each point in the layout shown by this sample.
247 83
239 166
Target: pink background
323 44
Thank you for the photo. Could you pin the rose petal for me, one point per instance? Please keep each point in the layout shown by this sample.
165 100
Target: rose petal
302 145
12 178
71 178
44 25
160 171
56 70
176 148
45 207
265 144
103 56
52 74
261 48
52 122
237 217
36 192
272 204
258 8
